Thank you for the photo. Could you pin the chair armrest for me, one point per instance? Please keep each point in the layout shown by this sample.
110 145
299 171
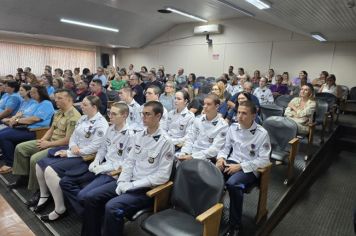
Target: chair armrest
40 132
294 141
116 172
211 219
89 157
265 169
161 196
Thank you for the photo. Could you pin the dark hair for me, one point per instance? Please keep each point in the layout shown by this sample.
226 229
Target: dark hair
60 83
145 68
49 78
325 73
138 75
311 87
242 69
42 92
305 73
332 76
157 107
155 89
271 70
285 73
13 84
222 80
26 87
71 79
77 69
69 93
97 81
69 72
59 71
213 97
250 105
85 71
186 95
94 101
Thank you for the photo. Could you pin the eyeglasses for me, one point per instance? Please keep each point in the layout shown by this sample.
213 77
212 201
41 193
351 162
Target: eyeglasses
110 113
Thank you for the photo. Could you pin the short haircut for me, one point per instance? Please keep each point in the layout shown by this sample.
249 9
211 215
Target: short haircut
171 83
155 89
127 90
94 101
71 79
13 84
186 95
69 93
123 107
213 97
85 71
59 71
250 105
157 107
97 81
26 87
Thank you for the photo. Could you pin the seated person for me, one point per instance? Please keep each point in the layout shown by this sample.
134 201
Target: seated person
10 102
180 119
232 115
109 158
28 153
263 93
301 109
251 148
167 98
331 87
81 92
85 140
318 82
134 118
218 90
207 135
248 88
96 89
279 88
18 130
149 164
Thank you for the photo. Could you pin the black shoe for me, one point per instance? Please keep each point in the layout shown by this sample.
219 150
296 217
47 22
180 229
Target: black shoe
34 199
40 208
20 182
45 218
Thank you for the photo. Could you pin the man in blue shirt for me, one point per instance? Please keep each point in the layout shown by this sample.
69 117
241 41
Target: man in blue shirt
100 75
11 101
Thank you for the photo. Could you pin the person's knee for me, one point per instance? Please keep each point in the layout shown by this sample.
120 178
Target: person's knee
112 209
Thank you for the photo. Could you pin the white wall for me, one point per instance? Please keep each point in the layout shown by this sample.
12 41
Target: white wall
246 43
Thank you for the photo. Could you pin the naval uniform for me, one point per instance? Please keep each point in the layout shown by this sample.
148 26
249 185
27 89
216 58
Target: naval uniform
149 164
205 138
27 153
264 95
178 124
109 157
134 119
251 149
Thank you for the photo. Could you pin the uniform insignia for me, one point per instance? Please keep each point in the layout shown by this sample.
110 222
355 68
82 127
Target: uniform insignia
119 152
92 121
108 142
151 160
253 131
253 146
181 127
131 105
123 132
252 153
129 149
211 140
183 115
169 156
223 134
266 146
214 122
88 134
156 137
100 133
169 118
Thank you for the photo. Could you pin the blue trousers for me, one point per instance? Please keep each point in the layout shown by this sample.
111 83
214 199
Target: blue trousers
76 188
104 202
236 185
9 138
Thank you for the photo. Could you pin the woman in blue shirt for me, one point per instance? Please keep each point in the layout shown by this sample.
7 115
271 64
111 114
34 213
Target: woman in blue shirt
18 130
47 81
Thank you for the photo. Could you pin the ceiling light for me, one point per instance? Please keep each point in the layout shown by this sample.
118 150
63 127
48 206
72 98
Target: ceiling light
89 25
186 14
228 4
259 4
318 36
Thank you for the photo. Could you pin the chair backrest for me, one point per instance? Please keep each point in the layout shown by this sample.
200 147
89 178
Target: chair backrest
352 94
327 97
200 79
269 110
283 100
344 91
320 110
198 185
281 130
210 80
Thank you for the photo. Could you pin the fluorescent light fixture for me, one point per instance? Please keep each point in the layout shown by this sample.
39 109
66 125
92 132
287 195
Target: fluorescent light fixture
259 4
318 36
186 14
228 4
88 25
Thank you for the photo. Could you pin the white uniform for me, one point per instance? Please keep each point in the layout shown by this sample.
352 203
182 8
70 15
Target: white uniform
251 147
264 95
134 119
114 151
88 135
178 124
205 138
150 161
